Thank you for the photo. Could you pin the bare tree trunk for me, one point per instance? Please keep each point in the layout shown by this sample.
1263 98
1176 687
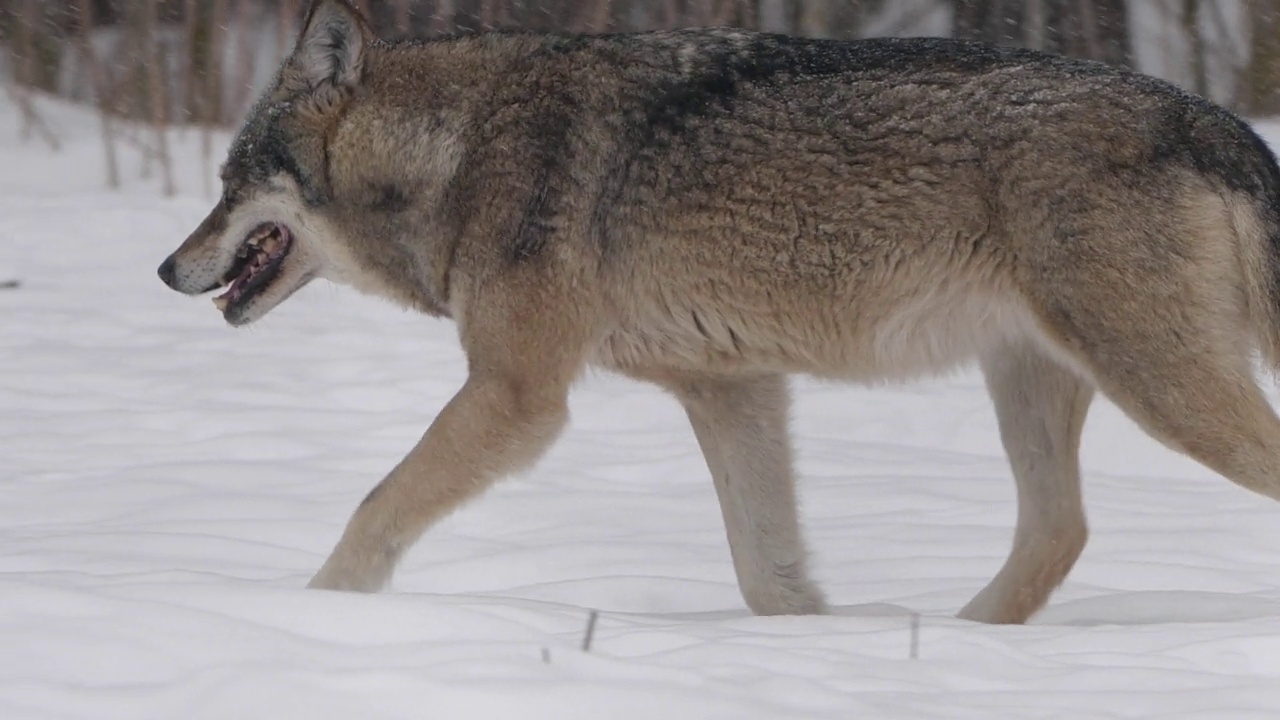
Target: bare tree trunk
198 54
287 18
1089 29
101 91
774 16
1034 31
1101 29
402 14
594 16
212 85
25 66
993 21
1190 18
446 17
246 56
1263 75
156 86
190 63
23 49
815 18
724 13
672 17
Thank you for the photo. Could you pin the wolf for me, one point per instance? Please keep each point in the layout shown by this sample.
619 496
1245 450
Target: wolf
714 210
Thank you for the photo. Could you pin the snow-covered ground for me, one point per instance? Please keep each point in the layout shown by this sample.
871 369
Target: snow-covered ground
168 485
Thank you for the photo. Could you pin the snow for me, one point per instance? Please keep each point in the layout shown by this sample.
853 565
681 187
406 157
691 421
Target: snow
170 484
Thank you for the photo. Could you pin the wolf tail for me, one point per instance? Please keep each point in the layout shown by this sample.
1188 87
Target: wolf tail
1255 215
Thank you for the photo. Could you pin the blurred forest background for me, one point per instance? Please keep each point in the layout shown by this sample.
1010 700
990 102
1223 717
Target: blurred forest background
150 64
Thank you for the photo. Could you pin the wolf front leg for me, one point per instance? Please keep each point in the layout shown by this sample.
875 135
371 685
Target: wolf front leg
508 413
741 426
493 427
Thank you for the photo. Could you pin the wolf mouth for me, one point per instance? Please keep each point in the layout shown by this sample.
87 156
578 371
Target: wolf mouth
257 264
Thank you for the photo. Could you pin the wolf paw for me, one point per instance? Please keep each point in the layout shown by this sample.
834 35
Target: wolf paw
335 575
793 597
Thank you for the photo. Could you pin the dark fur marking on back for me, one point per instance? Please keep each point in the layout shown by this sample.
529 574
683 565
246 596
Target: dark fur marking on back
534 229
721 68
389 198
551 153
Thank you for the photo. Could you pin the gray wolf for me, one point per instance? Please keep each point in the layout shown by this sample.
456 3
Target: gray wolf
713 210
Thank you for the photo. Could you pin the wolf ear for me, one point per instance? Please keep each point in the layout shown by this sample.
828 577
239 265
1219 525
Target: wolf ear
331 48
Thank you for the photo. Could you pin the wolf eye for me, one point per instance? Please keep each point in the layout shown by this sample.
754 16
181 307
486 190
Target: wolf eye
229 196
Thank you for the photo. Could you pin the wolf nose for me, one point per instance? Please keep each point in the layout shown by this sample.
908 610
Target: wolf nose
167 272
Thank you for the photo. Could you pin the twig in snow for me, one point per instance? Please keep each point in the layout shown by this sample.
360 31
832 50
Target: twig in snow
915 636
591 631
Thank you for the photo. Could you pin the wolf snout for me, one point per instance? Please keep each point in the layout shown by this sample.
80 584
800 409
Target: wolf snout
184 282
168 272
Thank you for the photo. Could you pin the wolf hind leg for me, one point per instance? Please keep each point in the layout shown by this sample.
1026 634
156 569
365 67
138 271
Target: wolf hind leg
1172 352
741 426
1040 407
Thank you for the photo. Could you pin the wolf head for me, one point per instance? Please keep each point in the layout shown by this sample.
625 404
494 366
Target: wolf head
264 239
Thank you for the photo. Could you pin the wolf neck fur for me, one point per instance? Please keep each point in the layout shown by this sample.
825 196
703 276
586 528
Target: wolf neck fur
397 160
